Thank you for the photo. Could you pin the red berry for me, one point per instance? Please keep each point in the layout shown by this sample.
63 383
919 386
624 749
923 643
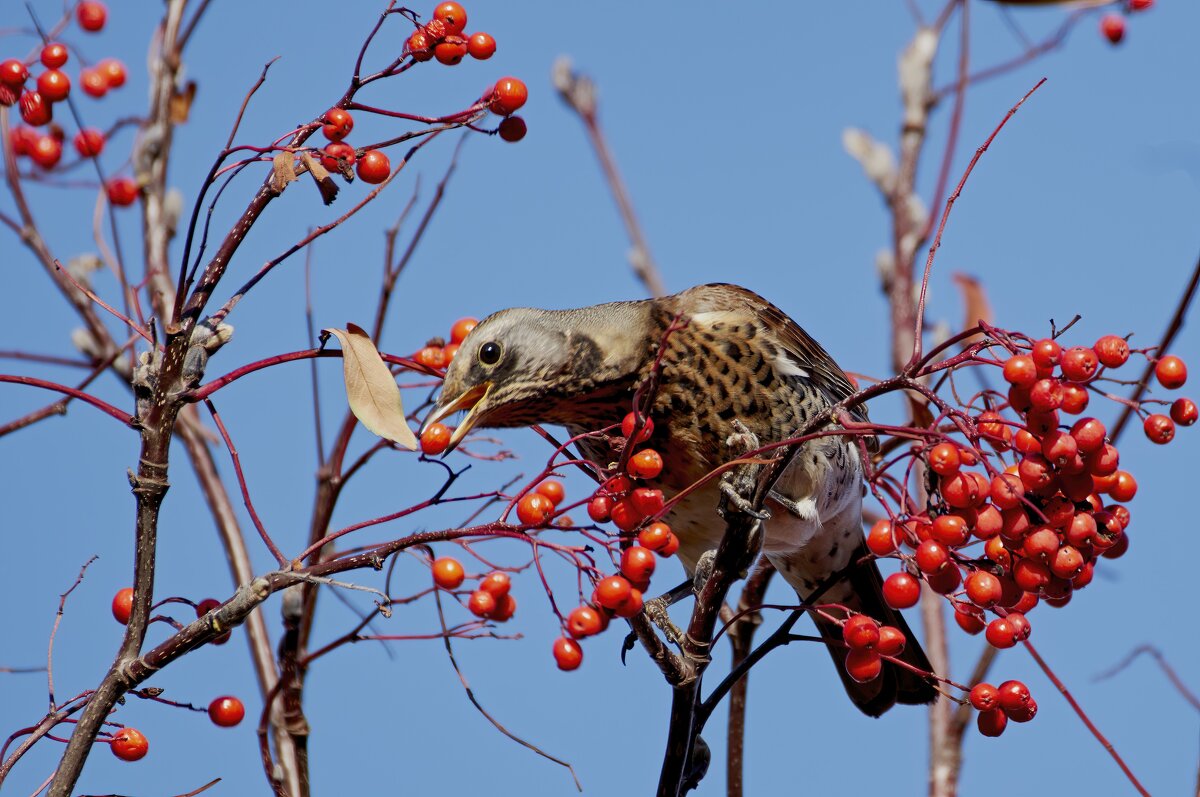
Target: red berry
567 653
626 515
949 530
226 711
1079 364
1089 435
435 439
1006 490
671 546
1170 370
451 51
122 605
1030 575
420 46
1046 354
1046 395
91 15
534 509
1140 5
932 556
496 584
1067 562
600 508
512 129
453 16
945 581
637 564
13 73
1113 27
481 46
374 167
985 697
1184 412
335 152
860 632
983 589
631 605
128 744
1112 350
113 72
863 665
89 142
647 501
992 722
1025 713
1040 544
481 604
630 423
122 191
1075 398
54 55
338 124
1020 625
506 607
584 621
54 85
1124 488
46 152
1159 429
645 464
204 607
553 490
612 591
1001 633
1013 695
968 618
880 540
448 572
35 109
1020 370
655 537
944 459
507 96
901 591
993 428
891 641
93 82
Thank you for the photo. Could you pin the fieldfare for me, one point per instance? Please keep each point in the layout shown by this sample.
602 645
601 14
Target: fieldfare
731 356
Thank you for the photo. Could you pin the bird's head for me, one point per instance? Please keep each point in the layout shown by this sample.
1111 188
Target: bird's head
525 366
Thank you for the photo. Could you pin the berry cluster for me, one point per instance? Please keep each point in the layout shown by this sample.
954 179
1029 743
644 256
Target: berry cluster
1112 26
868 643
1046 502
372 165
631 509
122 608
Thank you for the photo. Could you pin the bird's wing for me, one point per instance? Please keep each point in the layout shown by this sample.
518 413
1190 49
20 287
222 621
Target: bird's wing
798 345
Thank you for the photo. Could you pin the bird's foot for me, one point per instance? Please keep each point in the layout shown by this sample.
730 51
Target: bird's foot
734 494
656 611
737 486
704 570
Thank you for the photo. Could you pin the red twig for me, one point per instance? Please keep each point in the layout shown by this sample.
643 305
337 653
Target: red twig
86 398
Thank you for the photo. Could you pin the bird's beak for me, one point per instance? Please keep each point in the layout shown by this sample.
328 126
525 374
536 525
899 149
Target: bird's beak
472 399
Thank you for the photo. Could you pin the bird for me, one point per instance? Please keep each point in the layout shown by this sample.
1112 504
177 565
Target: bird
725 360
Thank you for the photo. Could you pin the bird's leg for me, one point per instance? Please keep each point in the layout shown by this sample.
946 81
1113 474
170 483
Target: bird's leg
656 610
737 486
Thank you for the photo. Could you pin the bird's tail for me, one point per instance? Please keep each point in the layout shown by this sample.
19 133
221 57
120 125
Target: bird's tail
862 591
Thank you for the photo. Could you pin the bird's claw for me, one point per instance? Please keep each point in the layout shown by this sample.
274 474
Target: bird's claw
656 611
734 496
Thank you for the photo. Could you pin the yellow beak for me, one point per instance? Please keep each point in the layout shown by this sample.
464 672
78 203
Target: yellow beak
473 400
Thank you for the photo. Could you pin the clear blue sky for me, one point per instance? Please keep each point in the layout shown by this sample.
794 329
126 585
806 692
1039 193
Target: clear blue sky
728 131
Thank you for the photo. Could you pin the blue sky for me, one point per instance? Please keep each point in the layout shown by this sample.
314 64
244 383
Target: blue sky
727 129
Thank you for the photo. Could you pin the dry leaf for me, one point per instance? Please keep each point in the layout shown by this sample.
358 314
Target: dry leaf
283 171
180 106
975 300
325 184
371 389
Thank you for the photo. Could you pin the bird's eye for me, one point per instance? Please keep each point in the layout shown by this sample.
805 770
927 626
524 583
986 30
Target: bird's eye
489 353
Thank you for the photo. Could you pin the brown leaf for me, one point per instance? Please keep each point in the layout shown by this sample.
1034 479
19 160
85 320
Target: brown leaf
976 302
181 103
371 389
325 184
283 171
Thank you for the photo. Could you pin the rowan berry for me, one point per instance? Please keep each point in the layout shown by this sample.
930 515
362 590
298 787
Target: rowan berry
128 744
945 581
991 722
950 530
481 604
1001 634
335 153
968 618
507 96
880 540
534 509
1020 370
453 16
901 590
1075 398
1112 350
631 605
552 489
122 605
1112 26
863 665
646 501
645 464
932 556
113 72
450 51
448 572
626 516
89 142
13 73
506 607
420 46
512 129
54 85
983 589
612 591
1046 353
993 428
338 124
46 152
93 82
1171 372
373 167
1079 364
891 641
54 55
584 621
671 546
600 508
481 46
226 711
944 459
630 423
435 439
204 607
497 584
637 563
91 15
984 697
35 109
1159 429
1013 695
567 653
1184 412
655 536
860 632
